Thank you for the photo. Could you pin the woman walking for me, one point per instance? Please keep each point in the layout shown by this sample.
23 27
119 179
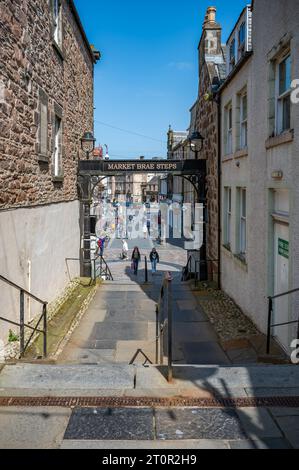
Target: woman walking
136 257
154 257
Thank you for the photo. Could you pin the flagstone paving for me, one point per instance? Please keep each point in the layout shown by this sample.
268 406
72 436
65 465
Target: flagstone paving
145 428
122 316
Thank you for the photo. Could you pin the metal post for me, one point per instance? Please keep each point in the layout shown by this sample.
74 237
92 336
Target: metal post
145 270
22 321
86 242
94 274
157 334
201 199
85 268
161 324
169 322
45 329
101 265
270 310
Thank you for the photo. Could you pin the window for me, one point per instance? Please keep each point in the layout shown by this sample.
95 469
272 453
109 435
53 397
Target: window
229 130
43 125
242 222
242 40
228 216
242 34
232 54
57 155
243 121
283 93
57 22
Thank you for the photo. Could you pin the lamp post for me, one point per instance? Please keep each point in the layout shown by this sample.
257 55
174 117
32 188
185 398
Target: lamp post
196 142
87 145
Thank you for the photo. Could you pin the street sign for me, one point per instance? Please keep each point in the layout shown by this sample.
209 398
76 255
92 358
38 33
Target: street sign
118 167
283 248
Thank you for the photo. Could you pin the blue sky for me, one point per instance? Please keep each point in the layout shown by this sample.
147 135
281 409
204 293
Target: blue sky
148 75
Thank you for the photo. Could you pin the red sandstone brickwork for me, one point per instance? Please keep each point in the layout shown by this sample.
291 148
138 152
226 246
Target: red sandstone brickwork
207 124
29 65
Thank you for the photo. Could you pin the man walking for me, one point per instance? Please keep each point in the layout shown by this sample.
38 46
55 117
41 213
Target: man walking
155 259
136 257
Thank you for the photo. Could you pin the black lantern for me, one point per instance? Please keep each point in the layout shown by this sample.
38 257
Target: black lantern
88 143
196 141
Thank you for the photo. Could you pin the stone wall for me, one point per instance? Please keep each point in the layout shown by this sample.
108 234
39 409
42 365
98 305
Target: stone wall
31 65
207 125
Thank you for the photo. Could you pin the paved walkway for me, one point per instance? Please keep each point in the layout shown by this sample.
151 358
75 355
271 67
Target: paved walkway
148 428
122 317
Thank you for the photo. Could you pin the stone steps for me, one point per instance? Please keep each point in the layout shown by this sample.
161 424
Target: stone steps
98 380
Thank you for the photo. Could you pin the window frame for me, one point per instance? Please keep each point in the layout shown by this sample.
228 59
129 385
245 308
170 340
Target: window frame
281 98
242 242
232 54
243 139
228 216
229 129
57 22
57 147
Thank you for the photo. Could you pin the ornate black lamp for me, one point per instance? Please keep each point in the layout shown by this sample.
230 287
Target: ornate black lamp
88 143
196 141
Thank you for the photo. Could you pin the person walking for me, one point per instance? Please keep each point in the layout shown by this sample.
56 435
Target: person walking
101 246
136 257
125 250
155 259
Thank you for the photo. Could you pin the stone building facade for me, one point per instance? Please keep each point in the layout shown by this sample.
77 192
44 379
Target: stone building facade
205 119
211 75
46 104
262 177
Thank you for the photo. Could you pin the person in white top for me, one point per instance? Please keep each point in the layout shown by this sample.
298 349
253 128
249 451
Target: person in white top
125 249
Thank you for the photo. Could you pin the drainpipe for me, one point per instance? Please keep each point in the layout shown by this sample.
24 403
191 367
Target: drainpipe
218 103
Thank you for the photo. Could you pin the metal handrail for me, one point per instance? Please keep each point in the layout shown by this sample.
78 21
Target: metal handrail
186 269
22 325
164 323
106 272
16 286
270 314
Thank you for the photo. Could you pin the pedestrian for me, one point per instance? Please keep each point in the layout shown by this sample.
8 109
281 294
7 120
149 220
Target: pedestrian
101 246
148 226
125 250
145 230
155 259
136 257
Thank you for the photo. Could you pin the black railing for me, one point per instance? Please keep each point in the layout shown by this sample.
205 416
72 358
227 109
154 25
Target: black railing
145 270
186 273
102 270
164 326
270 315
22 325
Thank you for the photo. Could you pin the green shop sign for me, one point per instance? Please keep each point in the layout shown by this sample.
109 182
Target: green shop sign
283 248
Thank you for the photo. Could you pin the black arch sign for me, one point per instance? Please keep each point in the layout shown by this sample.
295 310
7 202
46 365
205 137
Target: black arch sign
118 167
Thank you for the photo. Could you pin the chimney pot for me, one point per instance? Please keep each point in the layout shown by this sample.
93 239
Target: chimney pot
210 17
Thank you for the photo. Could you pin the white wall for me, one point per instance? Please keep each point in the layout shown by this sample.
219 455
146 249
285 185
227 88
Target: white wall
43 236
251 286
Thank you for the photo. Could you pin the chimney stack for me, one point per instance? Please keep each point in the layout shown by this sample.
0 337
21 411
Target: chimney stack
210 18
